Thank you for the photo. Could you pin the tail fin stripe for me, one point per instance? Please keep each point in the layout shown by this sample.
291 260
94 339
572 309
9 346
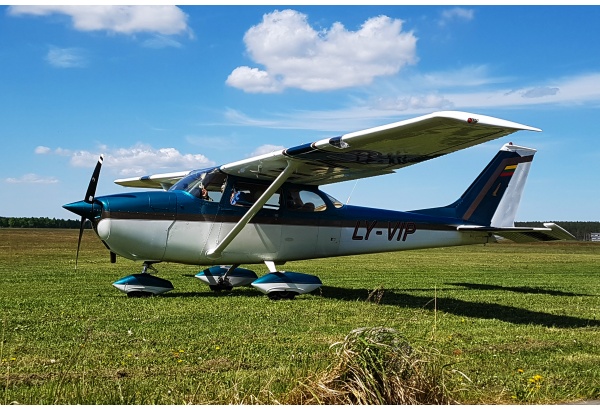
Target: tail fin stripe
508 171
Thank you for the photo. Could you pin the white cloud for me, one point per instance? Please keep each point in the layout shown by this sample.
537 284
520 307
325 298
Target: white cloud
42 150
266 149
456 14
32 179
63 152
139 159
166 20
159 41
572 90
389 104
415 102
239 118
66 57
295 55
253 80
538 92
469 76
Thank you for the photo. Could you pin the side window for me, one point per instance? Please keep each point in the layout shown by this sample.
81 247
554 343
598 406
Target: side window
207 186
246 194
304 201
214 185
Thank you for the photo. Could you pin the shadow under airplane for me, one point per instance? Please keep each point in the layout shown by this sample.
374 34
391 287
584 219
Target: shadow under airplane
479 310
516 289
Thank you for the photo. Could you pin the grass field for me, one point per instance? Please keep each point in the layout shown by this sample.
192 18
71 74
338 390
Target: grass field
507 323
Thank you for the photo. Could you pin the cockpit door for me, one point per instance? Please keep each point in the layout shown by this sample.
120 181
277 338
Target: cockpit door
259 240
306 228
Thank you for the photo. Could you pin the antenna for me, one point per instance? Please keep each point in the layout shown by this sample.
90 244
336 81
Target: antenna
351 192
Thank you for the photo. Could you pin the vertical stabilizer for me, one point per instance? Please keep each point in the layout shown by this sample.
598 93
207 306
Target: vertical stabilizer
494 196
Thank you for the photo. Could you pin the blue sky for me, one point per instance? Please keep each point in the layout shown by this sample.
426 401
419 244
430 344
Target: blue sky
161 89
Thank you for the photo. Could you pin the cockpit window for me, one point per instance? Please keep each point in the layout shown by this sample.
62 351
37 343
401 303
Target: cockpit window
204 184
301 200
246 193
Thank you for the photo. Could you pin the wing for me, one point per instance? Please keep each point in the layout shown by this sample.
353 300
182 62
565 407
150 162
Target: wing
377 151
158 181
374 151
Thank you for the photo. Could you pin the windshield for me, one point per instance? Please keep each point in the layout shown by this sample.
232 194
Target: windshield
207 184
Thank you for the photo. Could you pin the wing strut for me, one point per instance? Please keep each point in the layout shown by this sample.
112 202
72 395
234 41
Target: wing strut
285 174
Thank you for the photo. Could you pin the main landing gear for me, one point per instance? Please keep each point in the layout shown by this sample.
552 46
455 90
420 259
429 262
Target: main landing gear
143 284
276 285
219 278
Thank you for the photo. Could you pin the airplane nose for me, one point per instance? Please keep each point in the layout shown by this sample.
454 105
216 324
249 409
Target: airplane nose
84 209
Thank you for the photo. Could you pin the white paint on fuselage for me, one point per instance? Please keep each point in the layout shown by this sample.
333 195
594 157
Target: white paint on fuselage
420 239
134 238
188 241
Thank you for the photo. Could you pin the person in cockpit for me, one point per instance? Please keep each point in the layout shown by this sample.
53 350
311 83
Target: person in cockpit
204 194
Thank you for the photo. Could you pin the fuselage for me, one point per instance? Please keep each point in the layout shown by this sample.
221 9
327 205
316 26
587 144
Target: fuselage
298 222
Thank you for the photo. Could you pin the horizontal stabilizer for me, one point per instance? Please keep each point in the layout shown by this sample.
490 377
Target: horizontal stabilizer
551 232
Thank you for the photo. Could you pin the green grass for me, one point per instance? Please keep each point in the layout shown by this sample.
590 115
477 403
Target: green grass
510 323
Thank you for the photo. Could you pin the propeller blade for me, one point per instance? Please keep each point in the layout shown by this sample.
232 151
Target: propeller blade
91 191
113 257
89 198
79 241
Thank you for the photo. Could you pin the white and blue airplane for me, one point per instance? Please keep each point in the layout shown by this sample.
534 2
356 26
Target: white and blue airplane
269 208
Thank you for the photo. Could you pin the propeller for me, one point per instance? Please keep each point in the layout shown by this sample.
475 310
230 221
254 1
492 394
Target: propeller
89 198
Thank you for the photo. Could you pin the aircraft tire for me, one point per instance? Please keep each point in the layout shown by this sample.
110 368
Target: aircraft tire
218 288
138 294
290 295
282 295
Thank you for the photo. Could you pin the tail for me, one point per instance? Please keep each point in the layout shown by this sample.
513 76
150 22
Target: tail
490 204
494 197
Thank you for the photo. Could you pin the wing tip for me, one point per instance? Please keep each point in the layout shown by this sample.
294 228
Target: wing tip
473 118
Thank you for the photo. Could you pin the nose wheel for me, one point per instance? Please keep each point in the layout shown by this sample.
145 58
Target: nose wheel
223 283
143 284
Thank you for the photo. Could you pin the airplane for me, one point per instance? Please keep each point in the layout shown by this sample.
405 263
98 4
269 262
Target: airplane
269 208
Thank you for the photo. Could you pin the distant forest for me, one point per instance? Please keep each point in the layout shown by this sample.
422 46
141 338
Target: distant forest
40 223
581 230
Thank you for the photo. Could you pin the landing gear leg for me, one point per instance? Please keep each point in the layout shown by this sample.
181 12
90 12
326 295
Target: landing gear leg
147 266
223 283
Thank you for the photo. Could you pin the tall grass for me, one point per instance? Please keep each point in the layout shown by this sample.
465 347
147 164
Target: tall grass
378 366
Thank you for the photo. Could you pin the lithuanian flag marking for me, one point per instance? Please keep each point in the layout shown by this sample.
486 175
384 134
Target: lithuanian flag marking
508 171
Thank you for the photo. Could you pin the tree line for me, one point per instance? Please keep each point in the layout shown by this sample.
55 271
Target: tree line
42 222
581 230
